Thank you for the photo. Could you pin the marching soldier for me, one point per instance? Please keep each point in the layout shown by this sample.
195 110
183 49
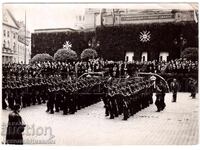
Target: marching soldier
23 88
58 98
28 91
114 103
105 99
72 106
66 100
50 103
10 95
110 106
4 96
174 89
125 104
33 92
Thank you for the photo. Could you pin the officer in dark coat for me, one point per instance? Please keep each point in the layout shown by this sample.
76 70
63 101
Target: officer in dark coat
160 97
15 127
193 88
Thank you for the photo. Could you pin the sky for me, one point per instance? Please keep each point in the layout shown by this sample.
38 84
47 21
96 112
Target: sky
41 16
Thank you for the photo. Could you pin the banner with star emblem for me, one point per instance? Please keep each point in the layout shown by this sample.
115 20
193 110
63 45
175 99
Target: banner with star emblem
145 36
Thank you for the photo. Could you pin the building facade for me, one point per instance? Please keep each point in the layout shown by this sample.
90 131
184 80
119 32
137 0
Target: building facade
13 50
9 38
130 16
126 17
125 34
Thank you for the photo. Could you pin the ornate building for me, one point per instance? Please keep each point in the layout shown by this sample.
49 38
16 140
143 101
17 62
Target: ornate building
145 19
14 49
114 18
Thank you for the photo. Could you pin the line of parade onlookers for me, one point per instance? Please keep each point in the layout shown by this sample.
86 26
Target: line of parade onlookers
113 68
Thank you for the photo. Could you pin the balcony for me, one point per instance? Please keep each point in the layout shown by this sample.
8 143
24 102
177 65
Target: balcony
6 50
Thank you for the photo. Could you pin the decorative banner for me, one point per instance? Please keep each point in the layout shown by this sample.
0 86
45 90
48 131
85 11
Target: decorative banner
67 45
145 36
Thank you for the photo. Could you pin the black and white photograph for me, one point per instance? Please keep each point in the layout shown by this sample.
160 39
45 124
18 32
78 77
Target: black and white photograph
100 74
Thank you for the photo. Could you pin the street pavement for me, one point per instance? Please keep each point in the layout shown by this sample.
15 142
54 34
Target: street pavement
176 125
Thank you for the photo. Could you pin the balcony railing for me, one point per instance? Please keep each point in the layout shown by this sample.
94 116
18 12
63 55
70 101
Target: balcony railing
6 50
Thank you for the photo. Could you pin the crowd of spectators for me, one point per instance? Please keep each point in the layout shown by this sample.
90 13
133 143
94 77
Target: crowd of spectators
116 69
182 66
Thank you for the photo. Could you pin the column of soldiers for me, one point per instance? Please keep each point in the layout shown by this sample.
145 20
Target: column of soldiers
127 98
70 96
25 92
67 95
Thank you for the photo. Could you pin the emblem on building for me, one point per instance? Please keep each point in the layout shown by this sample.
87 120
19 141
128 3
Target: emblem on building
145 36
67 45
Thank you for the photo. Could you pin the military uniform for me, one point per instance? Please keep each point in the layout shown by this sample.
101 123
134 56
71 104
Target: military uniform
160 94
125 106
174 89
4 95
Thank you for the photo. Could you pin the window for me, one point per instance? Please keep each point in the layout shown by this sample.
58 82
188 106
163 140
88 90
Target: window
4 43
126 58
4 32
143 58
10 59
8 33
83 18
14 35
6 59
3 59
167 58
161 58
14 47
8 44
79 18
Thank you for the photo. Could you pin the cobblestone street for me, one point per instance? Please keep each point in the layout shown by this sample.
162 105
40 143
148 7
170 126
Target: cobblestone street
176 125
